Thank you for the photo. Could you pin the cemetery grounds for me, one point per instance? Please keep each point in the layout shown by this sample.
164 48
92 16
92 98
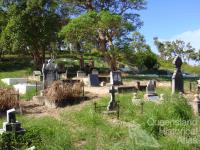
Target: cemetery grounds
167 125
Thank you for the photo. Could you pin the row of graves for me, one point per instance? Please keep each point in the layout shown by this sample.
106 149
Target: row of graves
55 93
54 88
177 86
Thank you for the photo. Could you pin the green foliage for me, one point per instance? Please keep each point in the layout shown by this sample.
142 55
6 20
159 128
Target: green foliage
146 59
29 94
11 140
102 25
31 28
169 49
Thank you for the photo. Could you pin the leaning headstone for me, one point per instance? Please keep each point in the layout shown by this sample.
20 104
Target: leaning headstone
116 78
177 78
112 103
50 74
150 91
93 79
196 105
11 125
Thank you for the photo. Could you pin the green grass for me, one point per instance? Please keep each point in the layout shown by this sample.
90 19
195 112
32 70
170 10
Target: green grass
86 129
167 65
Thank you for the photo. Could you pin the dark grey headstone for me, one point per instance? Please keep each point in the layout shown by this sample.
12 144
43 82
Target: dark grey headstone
11 124
11 118
50 73
116 78
93 79
177 78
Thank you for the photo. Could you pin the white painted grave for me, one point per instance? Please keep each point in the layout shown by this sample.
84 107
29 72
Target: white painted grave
12 81
23 88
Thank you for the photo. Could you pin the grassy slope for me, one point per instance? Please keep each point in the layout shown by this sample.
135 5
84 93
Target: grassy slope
167 65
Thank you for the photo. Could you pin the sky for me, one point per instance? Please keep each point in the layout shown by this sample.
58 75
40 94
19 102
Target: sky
170 20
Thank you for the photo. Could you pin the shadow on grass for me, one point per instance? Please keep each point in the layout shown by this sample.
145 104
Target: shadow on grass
15 63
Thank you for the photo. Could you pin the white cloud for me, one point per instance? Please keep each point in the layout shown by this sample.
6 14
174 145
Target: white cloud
189 36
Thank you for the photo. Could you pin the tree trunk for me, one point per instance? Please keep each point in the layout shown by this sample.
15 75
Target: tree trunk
38 60
109 59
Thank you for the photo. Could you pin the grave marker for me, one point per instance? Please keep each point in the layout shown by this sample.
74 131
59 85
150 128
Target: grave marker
11 125
50 74
112 103
150 91
93 79
116 78
177 78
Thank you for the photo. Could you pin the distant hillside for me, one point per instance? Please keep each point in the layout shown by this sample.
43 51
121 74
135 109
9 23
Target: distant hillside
167 65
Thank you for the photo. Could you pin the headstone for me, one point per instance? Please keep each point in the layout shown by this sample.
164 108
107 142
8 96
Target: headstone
116 78
11 125
112 103
196 105
177 78
50 74
93 79
81 74
150 91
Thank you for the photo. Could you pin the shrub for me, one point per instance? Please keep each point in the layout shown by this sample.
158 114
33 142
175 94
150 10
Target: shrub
11 140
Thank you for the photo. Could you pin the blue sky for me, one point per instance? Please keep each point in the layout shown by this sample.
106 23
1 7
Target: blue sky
170 20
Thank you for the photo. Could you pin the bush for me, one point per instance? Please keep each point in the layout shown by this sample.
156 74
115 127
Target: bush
11 140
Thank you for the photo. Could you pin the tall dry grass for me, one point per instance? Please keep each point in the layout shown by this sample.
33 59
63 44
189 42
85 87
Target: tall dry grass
61 91
8 99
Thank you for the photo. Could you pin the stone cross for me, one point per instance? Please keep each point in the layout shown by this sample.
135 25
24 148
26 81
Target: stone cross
112 103
177 78
50 74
